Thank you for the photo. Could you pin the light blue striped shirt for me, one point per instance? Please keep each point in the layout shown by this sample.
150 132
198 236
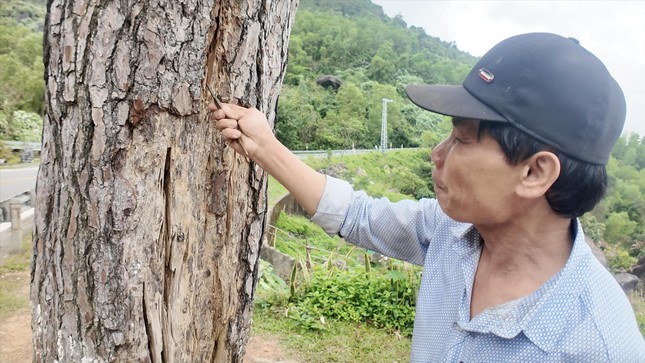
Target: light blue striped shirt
580 315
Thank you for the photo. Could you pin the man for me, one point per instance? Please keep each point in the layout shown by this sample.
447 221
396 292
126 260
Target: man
507 274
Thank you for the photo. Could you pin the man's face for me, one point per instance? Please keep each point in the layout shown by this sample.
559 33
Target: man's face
473 181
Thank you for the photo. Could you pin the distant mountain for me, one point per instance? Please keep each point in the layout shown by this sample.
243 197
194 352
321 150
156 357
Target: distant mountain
350 8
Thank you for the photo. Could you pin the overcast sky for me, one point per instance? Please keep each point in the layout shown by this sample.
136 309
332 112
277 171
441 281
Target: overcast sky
612 30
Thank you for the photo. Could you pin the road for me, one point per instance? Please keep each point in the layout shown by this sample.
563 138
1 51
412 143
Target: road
16 181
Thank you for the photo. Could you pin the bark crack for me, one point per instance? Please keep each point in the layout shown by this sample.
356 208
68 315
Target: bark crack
166 244
146 322
165 186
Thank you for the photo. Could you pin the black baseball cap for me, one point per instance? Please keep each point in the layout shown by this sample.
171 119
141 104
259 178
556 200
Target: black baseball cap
545 85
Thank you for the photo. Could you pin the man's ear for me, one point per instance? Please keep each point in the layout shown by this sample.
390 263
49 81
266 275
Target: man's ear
539 172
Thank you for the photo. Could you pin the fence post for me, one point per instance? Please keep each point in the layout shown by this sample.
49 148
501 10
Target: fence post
16 225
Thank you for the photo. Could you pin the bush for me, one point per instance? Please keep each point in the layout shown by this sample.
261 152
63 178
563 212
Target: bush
5 152
620 260
360 295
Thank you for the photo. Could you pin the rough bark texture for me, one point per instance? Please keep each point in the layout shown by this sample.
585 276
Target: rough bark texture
148 227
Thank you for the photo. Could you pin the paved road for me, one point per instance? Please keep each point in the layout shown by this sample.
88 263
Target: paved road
16 181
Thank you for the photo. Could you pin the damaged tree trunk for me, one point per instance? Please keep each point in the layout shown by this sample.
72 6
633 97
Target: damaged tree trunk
148 228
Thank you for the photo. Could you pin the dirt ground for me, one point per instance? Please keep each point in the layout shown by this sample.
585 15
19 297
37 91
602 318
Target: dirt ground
15 337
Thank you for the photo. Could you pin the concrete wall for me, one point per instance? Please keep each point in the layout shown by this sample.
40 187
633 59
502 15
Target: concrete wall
282 263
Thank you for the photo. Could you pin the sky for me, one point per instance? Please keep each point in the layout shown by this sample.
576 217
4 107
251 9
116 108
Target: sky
614 31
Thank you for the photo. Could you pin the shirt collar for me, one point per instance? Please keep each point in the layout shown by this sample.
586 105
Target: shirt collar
543 315
468 239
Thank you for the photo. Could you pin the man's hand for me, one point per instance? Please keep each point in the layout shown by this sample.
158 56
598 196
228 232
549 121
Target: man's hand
246 130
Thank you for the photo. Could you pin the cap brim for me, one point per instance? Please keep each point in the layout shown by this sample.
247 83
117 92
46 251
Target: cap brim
451 100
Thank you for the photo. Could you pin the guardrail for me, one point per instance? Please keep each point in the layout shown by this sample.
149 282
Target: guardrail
303 154
21 145
11 233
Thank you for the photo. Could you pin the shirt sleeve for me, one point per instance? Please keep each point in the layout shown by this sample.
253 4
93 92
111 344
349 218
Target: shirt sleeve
401 230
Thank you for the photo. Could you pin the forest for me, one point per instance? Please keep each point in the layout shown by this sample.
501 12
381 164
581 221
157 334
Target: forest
373 56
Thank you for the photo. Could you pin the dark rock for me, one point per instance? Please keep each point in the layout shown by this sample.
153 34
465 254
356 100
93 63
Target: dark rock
329 81
627 281
639 268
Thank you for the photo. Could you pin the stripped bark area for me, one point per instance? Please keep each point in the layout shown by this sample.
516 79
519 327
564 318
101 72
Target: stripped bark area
148 228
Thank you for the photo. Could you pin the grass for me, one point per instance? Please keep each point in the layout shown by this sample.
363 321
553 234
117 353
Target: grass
340 342
336 341
12 280
638 304
400 174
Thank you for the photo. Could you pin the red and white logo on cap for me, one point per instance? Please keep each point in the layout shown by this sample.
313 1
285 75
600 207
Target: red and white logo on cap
486 75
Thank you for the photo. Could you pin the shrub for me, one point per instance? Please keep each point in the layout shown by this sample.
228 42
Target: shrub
382 299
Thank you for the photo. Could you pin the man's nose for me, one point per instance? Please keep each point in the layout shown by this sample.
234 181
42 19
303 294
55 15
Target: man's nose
438 154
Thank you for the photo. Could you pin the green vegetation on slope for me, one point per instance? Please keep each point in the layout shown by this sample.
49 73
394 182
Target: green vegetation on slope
375 57
21 70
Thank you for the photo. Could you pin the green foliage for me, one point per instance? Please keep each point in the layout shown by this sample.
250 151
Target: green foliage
619 228
270 282
18 262
622 212
298 225
344 284
354 8
21 126
592 227
5 152
620 260
21 69
296 233
28 13
385 300
397 174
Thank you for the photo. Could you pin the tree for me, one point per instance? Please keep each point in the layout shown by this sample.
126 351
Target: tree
618 228
148 228
21 70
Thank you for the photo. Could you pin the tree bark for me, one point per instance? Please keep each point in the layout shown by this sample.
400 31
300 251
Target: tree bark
148 228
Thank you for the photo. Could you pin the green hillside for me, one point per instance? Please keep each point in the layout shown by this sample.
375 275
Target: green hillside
375 57
21 69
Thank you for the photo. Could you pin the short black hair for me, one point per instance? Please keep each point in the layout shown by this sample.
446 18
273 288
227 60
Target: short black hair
580 185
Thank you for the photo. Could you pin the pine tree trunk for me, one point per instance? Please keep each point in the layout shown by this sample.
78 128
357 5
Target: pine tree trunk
148 228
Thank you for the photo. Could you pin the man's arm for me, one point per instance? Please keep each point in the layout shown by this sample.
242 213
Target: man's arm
249 127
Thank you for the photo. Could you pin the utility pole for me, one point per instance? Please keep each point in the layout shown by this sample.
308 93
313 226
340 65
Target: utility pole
384 124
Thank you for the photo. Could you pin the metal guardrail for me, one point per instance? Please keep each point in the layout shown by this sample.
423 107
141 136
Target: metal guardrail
303 154
21 145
